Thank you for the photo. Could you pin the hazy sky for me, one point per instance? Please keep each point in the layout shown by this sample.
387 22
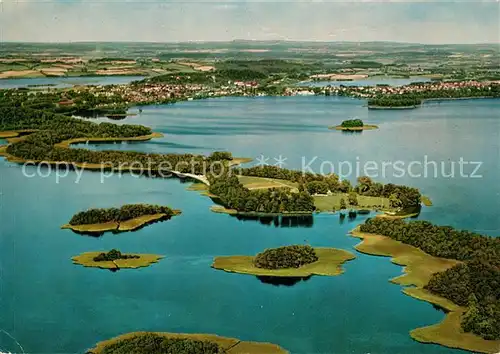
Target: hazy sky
168 21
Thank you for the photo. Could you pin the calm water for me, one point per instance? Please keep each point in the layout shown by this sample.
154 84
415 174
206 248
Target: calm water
59 82
372 81
51 306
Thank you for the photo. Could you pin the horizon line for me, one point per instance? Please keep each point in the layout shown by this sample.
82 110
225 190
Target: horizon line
245 40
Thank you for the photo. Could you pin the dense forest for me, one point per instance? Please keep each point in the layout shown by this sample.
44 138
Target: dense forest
232 194
475 283
113 255
148 343
401 197
126 212
352 123
285 257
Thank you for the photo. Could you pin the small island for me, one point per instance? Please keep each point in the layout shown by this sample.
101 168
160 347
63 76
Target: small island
287 261
115 260
129 217
142 343
353 125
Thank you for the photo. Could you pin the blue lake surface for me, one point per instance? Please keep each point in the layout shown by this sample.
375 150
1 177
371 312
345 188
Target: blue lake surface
61 82
50 305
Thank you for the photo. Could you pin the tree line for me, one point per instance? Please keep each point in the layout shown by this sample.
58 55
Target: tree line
83 103
113 255
293 256
474 283
126 212
17 118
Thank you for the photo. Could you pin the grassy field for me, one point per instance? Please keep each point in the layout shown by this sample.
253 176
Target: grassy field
264 183
426 201
332 202
329 263
229 345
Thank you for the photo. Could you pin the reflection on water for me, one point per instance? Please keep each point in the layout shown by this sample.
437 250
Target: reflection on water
352 132
278 281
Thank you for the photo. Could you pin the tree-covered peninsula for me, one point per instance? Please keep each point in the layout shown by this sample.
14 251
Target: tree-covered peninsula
159 342
394 101
126 218
229 192
474 282
287 261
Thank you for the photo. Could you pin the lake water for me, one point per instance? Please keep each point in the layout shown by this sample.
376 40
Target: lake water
61 82
49 305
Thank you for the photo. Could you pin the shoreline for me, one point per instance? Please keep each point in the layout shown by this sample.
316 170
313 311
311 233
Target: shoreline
418 268
329 263
228 344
